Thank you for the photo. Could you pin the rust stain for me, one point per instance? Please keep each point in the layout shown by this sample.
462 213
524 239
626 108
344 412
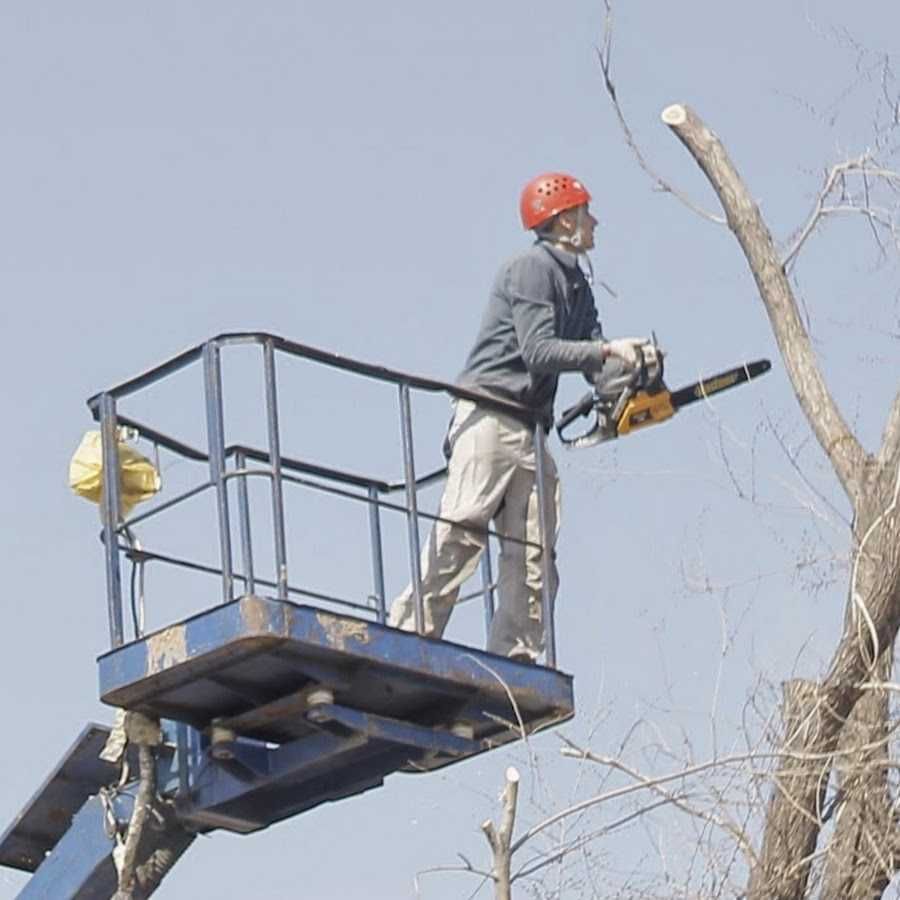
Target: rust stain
339 631
59 816
168 648
254 613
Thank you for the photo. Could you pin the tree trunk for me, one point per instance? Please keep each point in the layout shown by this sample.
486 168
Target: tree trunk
794 817
863 855
799 785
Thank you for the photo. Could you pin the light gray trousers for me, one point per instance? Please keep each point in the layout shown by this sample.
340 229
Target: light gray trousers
491 476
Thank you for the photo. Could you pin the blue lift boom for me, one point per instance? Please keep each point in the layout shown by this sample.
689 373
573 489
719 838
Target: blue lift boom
269 706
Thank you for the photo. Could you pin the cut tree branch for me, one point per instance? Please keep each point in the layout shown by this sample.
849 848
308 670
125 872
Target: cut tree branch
744 219
500 839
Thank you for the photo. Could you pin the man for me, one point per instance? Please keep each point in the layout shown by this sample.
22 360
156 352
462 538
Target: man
540 321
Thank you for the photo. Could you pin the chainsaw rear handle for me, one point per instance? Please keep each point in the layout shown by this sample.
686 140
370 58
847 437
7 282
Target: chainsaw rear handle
581 408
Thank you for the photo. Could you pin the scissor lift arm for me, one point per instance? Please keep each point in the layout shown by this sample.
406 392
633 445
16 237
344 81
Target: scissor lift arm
272 709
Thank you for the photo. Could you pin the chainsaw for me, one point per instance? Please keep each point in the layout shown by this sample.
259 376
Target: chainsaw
639 398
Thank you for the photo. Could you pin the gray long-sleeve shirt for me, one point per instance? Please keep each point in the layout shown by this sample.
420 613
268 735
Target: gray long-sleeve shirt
540 321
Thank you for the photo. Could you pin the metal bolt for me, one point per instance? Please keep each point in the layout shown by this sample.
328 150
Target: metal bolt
463 730
315 700
320 697
220 740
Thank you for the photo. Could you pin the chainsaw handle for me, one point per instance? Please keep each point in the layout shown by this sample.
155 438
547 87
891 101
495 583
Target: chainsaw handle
581 408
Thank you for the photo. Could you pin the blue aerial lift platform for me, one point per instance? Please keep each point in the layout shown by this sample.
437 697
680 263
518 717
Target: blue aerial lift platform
268 705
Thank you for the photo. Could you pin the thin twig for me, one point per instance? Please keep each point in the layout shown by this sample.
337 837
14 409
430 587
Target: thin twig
604 55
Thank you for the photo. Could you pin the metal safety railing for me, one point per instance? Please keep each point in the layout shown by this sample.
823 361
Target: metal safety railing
282 470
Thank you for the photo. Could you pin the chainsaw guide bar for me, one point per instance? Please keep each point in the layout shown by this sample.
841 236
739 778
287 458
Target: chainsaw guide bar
641 404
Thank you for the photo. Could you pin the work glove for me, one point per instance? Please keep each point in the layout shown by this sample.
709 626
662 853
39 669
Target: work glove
625 350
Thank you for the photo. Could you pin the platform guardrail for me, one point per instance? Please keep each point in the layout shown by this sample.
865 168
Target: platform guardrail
227 463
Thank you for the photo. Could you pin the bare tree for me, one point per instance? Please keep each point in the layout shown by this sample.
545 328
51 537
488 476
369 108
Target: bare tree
846 711
818 814
815 713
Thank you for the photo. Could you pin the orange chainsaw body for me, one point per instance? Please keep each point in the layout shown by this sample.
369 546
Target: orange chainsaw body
645 409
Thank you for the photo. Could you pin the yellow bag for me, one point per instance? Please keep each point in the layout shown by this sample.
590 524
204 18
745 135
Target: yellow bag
138 478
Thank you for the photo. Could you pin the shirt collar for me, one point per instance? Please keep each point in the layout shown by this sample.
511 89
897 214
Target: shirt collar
563 257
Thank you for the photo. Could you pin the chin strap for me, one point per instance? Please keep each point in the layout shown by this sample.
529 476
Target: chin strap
587 268
573 243
582 259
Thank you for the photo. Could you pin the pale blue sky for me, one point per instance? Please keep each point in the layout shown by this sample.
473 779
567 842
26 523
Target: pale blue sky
347 175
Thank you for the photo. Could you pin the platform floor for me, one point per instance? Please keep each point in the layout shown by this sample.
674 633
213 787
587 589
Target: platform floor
253 663
314 707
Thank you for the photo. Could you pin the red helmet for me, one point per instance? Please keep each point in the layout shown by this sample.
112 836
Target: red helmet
545 196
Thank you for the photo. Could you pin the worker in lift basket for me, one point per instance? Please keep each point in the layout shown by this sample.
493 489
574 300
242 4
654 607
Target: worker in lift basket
540 321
